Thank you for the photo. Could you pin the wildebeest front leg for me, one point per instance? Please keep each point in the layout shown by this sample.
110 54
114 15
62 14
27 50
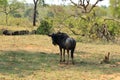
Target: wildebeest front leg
68 56
60 54
63 55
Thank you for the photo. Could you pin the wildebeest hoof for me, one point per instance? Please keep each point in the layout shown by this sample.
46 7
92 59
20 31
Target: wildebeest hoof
60 61
73 63
67 63
63 60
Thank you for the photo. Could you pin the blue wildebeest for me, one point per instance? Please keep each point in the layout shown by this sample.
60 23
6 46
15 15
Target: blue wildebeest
65 43
7 32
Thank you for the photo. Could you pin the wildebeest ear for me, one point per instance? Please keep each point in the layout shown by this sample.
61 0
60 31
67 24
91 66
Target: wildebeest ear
49 35
58 32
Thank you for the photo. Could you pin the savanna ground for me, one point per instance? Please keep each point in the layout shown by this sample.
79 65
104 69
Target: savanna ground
33 57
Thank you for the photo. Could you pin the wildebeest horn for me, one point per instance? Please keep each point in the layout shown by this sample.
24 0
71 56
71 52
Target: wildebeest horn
49 35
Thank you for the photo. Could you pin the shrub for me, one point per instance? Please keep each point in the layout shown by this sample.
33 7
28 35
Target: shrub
44 28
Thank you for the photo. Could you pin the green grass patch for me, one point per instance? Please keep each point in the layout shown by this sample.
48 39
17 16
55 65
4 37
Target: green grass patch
34 57
25 63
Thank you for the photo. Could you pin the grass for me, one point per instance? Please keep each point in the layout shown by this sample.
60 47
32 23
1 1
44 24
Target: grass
33 57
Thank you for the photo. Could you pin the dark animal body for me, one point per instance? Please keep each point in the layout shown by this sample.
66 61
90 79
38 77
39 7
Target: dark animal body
21 32
106 58
65 43
7 32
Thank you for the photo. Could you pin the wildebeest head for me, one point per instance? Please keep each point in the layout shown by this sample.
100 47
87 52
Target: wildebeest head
56 37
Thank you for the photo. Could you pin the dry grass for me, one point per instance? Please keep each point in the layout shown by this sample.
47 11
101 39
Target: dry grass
33 57
14 28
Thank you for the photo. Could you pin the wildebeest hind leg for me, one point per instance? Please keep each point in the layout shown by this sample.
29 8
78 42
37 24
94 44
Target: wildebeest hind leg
72 56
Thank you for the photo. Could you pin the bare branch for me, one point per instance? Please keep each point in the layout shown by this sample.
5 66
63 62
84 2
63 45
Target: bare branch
88 2
112 19
73 32
93 6
75 4
83 4
73 16
80 3
35 1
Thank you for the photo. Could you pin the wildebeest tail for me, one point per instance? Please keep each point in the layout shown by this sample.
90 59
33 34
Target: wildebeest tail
72 51
74 45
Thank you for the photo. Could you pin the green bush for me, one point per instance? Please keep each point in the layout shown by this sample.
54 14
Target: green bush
113 28
44 28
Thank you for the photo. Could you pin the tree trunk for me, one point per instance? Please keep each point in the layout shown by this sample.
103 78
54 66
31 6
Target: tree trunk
6 18
34 15
35 12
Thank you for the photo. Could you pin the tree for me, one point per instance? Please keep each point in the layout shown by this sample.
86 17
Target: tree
3 6
83 21
35 12
42 2
44 28
10 6
115 8
85 5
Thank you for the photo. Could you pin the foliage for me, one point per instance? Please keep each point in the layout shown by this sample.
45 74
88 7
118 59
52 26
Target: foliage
44 28
66 18
2 2
10 7
115 8
113 27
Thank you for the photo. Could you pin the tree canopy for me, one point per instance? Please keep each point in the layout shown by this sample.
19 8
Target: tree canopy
115 8
79 18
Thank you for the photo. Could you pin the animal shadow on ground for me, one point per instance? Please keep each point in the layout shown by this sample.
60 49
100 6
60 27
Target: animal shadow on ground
24 62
